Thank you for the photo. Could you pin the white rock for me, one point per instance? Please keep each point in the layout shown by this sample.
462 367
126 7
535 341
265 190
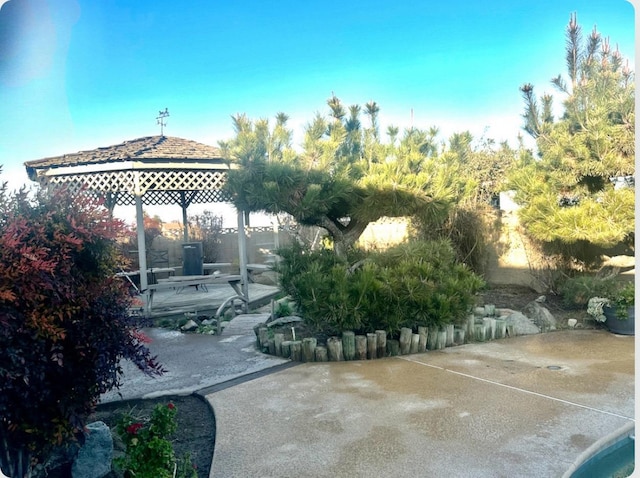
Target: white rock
189 326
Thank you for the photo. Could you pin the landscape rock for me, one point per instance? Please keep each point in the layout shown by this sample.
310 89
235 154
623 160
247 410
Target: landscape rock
521 324
94 457
209 322
190 326
58 463
291 319
540 316
479 311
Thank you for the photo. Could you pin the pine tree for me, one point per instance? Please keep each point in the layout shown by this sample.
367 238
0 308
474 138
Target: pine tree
339 182
574 193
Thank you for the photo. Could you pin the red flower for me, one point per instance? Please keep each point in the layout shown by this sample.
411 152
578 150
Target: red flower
171 406
133 428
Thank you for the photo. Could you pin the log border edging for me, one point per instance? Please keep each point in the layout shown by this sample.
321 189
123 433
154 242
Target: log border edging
478 327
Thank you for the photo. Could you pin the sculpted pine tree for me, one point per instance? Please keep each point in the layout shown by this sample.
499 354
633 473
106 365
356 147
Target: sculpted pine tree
341 181
577 191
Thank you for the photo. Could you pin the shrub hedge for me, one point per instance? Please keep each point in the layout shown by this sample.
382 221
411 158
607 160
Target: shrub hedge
414 284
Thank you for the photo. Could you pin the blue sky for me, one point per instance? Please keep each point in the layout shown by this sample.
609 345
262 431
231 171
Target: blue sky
80 74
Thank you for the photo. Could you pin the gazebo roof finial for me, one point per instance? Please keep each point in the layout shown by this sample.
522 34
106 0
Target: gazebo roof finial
160 119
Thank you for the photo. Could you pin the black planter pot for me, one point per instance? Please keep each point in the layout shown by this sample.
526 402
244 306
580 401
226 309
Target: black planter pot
624 326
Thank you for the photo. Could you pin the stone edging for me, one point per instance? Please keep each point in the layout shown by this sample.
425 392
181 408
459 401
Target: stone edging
481 325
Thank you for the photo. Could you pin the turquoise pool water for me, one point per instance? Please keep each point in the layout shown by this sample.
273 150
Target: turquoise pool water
616 461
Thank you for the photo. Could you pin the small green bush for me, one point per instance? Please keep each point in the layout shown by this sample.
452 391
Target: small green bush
577 291
283 309
149 452
419 283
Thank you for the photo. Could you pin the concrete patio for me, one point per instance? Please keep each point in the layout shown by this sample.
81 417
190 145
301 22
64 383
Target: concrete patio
526 407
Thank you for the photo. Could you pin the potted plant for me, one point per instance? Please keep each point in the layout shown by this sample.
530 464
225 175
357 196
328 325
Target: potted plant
615 307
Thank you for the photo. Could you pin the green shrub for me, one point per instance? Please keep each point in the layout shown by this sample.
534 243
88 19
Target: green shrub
422 284
577 291
149 453
470 228
283 309
419 283
64 322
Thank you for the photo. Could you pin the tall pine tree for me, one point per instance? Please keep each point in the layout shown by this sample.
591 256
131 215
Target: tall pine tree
340 182
579 191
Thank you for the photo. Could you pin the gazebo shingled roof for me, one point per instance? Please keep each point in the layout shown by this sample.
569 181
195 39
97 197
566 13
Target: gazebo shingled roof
161 169
154 170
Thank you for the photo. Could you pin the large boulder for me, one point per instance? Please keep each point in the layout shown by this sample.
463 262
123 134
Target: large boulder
519 323
95 456
540 315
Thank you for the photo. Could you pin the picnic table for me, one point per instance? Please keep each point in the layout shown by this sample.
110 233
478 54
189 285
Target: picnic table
214 266
199 281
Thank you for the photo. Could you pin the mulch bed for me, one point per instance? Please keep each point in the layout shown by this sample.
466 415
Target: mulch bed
196 425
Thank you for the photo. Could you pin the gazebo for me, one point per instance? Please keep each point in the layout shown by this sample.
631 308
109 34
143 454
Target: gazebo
154 170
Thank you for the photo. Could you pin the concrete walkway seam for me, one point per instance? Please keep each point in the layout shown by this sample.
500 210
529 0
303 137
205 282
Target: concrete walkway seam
245 378
566 402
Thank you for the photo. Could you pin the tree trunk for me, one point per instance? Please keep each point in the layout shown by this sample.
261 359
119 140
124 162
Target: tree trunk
14 462
343 237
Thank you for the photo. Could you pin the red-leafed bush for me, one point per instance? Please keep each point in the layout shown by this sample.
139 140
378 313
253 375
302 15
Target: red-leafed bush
64 322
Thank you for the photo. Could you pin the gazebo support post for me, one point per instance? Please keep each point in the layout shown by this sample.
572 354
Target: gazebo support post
142 248
242 253
185 224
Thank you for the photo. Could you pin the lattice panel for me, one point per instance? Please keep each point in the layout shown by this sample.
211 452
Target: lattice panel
184 180
104 182
69 182
159 187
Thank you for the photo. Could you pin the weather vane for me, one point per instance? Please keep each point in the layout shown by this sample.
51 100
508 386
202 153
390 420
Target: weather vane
160 120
